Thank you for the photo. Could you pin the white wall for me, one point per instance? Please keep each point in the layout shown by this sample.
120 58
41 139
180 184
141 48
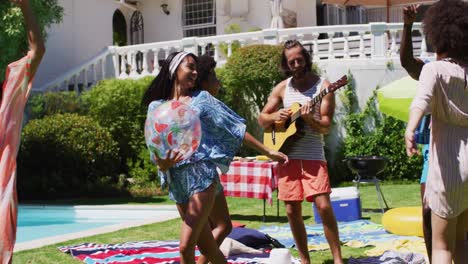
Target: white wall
159 26
306 13
86 29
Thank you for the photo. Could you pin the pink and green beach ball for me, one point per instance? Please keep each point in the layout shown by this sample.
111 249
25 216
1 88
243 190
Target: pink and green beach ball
173 125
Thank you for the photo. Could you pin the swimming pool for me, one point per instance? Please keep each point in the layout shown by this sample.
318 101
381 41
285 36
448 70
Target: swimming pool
43 225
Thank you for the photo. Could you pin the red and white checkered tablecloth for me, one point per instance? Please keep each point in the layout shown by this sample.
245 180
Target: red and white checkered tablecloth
250 179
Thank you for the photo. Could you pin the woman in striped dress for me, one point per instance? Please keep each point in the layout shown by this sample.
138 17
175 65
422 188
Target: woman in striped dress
443 91
14 93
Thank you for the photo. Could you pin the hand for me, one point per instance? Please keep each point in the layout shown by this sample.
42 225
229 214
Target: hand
307 112
278 156
409 14
411 147
282 115
171 159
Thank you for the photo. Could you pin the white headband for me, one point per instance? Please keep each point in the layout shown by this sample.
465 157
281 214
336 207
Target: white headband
176 61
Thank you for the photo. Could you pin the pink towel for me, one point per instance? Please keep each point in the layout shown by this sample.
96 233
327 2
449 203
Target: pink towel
16 90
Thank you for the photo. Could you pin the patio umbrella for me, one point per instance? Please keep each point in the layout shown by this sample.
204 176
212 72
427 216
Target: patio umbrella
276 8
395 98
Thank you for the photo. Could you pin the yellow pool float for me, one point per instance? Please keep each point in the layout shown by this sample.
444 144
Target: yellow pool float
405 221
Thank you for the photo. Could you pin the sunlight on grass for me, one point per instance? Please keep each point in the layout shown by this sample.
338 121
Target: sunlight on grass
247 211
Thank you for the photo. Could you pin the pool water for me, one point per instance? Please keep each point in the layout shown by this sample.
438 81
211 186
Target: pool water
37 222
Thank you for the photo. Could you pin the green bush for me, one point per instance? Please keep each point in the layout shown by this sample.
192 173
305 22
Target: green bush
50 103
369 132
116 105
142 171
248 78
66 155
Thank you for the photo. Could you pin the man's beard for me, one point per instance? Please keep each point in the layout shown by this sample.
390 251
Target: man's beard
299 74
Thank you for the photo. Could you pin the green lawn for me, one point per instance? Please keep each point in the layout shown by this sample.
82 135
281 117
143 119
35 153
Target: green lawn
248 211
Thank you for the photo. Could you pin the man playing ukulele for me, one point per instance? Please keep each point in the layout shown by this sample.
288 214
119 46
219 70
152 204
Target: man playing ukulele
306 174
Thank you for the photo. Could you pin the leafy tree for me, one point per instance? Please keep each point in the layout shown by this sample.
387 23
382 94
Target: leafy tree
13 38
248 78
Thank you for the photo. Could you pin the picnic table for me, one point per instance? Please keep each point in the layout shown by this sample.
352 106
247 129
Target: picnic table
251 179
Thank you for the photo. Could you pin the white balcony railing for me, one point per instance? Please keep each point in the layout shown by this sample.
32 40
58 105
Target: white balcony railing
360 42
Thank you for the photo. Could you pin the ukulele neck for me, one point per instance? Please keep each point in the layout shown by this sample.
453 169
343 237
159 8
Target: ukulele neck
313 102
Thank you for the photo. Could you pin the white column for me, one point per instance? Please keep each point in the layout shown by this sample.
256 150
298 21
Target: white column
346 45
315 48
133 67
85 78
362 54
216 51
378 44
123 67
330 45
145 71
393 48
423 44
103 68
229 43
156 61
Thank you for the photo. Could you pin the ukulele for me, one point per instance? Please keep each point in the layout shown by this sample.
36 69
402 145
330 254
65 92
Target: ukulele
278 133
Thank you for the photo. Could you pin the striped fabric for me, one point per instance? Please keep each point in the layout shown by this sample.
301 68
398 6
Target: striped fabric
16 90
443 92
391 257
143 252
310 146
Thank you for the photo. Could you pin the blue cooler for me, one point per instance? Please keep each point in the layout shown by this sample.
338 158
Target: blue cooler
346 205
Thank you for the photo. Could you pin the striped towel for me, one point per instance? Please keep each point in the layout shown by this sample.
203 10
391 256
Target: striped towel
354 234
143 252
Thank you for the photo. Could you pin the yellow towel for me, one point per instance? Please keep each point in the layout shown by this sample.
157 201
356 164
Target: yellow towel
403 245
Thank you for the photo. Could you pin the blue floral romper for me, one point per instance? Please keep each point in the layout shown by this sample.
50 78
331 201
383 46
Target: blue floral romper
222 135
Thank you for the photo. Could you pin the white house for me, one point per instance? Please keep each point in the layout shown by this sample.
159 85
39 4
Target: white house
89 26
83 48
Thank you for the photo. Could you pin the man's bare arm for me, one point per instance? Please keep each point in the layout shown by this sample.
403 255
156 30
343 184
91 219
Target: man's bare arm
270 112
327 109
411 64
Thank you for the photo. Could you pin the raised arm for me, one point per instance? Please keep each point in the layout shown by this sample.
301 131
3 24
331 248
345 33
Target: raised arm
270 112
411 64
36 43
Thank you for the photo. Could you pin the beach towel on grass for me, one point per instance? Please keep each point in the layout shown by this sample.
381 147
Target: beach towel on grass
144 252
391 257
354 234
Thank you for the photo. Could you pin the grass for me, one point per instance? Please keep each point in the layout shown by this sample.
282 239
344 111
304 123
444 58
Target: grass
247 211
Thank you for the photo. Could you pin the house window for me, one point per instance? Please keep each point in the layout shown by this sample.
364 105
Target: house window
137 28
335 15
341 15
199 18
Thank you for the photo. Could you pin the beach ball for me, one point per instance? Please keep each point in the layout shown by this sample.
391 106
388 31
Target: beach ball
173 125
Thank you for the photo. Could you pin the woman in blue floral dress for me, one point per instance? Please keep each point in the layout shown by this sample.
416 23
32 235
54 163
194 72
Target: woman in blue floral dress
193 183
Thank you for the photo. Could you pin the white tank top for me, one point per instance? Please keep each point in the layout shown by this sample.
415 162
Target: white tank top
310 146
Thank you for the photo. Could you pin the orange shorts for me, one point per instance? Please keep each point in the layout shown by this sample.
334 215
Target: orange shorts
301 179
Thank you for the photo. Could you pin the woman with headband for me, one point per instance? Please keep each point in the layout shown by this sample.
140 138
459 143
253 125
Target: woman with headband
194 182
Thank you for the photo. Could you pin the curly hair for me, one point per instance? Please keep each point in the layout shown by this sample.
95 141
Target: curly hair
446 28
289 44
205 65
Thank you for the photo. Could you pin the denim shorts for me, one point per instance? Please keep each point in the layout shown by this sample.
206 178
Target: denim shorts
192 178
